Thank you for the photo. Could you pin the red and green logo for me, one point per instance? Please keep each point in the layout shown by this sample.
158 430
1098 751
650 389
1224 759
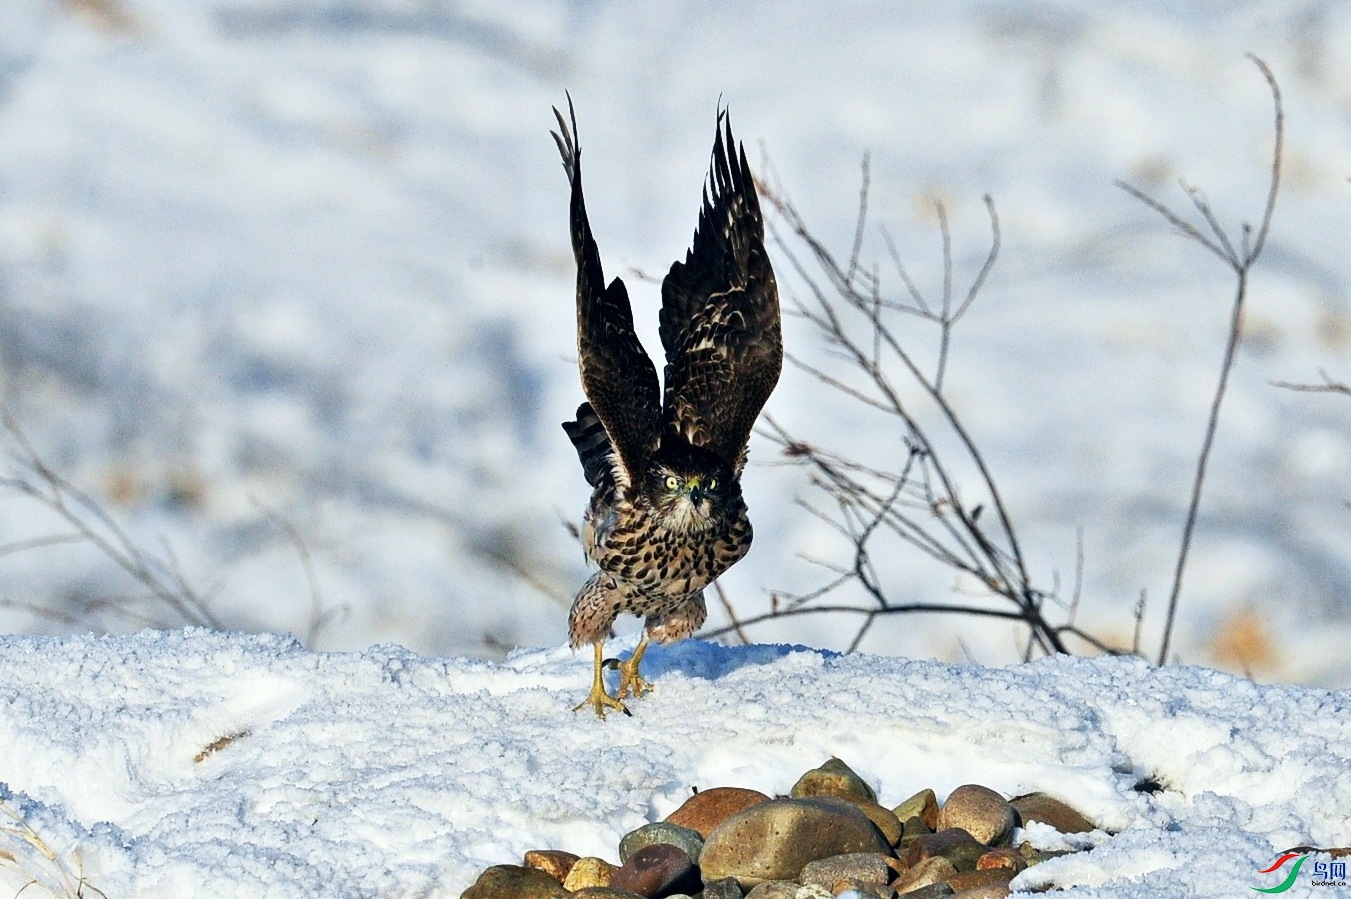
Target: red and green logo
1325 874
1280 863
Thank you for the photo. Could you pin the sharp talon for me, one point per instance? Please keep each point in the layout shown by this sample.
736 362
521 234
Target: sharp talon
631 683
599 705
612 664
598 699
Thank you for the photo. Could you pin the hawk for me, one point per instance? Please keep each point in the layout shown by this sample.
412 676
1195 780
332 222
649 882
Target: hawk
666 514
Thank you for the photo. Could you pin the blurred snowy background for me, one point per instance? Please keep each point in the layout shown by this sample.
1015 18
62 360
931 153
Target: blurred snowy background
305 264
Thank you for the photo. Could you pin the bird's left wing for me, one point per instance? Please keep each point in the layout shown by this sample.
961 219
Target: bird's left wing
617 375
720 314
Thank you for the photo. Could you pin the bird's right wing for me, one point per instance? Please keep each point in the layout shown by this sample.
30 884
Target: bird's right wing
617 375
720 313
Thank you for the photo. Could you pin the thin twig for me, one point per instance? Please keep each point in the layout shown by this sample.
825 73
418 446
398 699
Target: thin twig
96 526
921 504
320 617
1328 386
736 625
1220 244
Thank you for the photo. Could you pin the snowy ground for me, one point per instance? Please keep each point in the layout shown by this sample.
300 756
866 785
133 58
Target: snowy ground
273 264
309 261
384 773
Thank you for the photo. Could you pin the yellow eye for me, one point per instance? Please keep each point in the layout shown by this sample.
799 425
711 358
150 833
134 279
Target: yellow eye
712 483
672 482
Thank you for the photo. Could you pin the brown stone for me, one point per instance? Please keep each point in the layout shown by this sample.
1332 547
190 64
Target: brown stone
1048 810
775 840
514 882
932 891
867 889
954 844
834 779
990 891
705 810
1034 856
923 873
589 872
658 871
658 833
723 888
1008 858
859 867
911 829
604 893
981 812
970 880
554 862
786 889
923 805
883 817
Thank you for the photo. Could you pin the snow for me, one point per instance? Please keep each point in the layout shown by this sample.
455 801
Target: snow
194 763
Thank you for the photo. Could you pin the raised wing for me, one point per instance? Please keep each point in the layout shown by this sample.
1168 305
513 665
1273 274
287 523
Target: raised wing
720 314
617 375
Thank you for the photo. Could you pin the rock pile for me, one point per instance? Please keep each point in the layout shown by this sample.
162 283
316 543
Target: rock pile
829 838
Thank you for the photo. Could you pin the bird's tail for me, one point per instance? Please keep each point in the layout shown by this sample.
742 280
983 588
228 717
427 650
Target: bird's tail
593 444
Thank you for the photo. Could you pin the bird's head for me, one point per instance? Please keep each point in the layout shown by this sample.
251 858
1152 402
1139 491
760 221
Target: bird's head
690 489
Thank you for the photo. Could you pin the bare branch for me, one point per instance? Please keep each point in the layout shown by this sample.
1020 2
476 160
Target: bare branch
1221 245
320 617
920 505
1328 386
859 228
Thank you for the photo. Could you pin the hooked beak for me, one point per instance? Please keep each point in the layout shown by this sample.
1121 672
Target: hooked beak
697 491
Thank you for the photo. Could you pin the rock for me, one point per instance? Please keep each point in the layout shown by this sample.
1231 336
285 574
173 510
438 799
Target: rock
786 889
658 871
923 805
860 867
954 844
932 891
981 812
923 873
912 828
775 840
1049 810
554 862
514 882
853 889
883 817
723 888
705 810
834 779
1011 859
1035 856
662 832
604 893
589 872
990 881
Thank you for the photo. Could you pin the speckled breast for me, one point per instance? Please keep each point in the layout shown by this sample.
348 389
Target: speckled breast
633 546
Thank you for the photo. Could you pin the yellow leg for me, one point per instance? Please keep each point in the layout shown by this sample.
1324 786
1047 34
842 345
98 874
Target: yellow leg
630 681
598 699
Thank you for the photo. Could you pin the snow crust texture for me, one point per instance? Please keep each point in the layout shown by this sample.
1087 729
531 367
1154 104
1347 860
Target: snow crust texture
197 764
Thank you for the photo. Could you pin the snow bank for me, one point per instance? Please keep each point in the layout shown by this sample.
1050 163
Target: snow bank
196 764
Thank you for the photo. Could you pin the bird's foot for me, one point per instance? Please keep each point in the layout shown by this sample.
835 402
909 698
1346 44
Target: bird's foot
600 700
631 683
